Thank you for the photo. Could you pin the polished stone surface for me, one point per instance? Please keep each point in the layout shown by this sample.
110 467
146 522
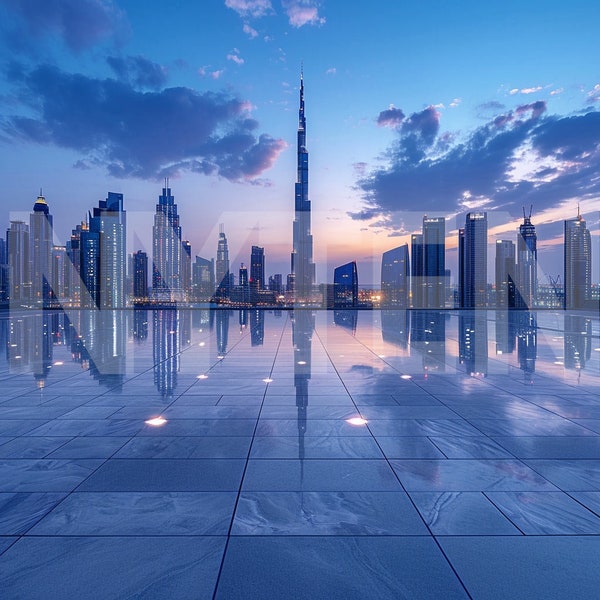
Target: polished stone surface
303 454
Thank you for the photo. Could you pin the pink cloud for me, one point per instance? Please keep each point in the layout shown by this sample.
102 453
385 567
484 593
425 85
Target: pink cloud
250 31
250 8
302 12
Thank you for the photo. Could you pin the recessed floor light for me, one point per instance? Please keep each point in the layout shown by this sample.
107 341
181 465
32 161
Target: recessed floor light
203 376
156 421
405 376
267 380
301 362
357 421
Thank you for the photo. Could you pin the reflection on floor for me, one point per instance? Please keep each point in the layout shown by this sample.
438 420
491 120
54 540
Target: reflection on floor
300 454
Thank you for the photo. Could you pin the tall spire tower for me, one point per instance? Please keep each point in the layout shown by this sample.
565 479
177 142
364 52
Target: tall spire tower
303 267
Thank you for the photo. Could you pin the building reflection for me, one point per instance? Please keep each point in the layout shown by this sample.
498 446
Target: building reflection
303 324
166 350
395 327
578 341
41 346
428 337
473 341
527 344
222 317
507 326
346 318
257 326
140 324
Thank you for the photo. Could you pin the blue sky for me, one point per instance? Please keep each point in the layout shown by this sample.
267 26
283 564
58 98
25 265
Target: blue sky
433 107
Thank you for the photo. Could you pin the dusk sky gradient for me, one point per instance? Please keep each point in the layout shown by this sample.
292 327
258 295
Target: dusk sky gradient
416 108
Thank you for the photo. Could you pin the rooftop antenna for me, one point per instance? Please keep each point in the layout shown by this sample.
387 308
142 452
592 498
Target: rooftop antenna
530 210
221 228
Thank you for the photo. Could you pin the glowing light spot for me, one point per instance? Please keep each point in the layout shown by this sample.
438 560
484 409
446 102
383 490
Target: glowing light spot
202 344
267 380
381 355
405 376
203 376
301 362
220 357
357 421
559 362
156 421
59 363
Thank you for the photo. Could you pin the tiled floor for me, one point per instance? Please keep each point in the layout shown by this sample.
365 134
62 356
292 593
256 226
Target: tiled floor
476 473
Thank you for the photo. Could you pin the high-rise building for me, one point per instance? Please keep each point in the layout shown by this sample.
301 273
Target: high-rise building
395 280
505 274
203 279
186 268
4 272
17 239
109 222
526 293
89 245
276 283
40 231
59 269
244 284
303 267
473 261
140 275
577 263
416 271
222 266
345 286
434 262
257 268
166 249
73 272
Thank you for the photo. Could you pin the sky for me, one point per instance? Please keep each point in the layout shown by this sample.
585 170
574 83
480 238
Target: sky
431 108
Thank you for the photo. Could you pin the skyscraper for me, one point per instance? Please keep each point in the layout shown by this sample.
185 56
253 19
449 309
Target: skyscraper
109 222
203 279
345 286
89 246
303 267
40 231
166 249
526 292
395 278
17 239
434 261
257 268
505 274
140 275
186 269
222 266
577 263
473 260
416 270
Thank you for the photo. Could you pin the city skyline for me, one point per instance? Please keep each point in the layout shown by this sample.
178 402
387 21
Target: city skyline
383 139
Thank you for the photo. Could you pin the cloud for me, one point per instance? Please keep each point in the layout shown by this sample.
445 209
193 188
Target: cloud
302 12
138 71
557 91
526 91
206 72
250 31
235 57
455 102
555 157
594 93
331 71
250 8
79 23
143 134
391 117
